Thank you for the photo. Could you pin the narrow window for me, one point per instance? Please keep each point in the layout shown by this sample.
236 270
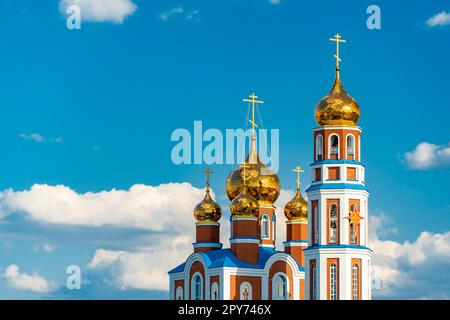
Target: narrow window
355 282
265 227
179 293
333 224
333 282
350 145
353 228
197 287
215 291
279 287
319 147
316 226
246 291
313 282
334 145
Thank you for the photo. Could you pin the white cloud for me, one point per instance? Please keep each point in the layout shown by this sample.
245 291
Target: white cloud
146 269
427 155
167 207
409 270
192 15
440 19
21 281
36 137
275 1
115 11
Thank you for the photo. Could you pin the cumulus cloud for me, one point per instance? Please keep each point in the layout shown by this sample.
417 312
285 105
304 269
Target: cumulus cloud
167 207
21 281
115 11
427 155
409 270
440 19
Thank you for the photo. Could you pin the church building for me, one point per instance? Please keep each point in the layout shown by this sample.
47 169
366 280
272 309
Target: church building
325 254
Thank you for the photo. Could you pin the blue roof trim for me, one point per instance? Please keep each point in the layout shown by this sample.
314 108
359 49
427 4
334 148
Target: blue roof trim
338 246
336 161
296 241
336 186
226 258
180 268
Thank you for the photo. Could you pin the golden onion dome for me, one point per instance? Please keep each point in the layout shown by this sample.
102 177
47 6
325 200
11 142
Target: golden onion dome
207 210
337 108
244 205
261 182
297 208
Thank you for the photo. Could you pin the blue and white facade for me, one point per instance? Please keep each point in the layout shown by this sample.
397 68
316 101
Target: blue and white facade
338 258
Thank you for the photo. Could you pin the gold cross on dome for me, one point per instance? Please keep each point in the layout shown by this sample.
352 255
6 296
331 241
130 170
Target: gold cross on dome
298 170
244 178
354 217
207 172
338 40
253 101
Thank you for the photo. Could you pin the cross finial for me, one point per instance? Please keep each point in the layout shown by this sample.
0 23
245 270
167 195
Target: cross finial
338 40
207 172
253 101
298 170
244 178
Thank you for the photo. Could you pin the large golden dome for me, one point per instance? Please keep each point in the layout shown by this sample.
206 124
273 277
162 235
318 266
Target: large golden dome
337 108
244 205
262 183
207 210
297 208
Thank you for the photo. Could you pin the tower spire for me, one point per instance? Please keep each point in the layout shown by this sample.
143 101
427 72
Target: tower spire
338 40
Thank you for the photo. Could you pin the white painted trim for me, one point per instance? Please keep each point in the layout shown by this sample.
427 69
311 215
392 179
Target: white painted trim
244 219
200 224
257 241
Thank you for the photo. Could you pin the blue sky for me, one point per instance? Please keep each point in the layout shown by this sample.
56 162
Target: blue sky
103 101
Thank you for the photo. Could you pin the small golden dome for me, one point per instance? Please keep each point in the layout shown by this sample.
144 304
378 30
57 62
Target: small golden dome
297 208
262 183
337 108
207 210
244 205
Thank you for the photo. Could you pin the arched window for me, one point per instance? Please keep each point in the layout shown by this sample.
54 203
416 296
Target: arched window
350 145
179 293
333 281
355 282
215 291
197 287
313 282
265 227
334 145
333 227
279 287
319 147
316 226
246 291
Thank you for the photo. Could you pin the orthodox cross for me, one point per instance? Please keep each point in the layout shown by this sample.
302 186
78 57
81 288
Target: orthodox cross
338 40
207 172
298 170
253 101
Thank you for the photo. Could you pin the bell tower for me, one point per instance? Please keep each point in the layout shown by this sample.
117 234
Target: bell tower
338 258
